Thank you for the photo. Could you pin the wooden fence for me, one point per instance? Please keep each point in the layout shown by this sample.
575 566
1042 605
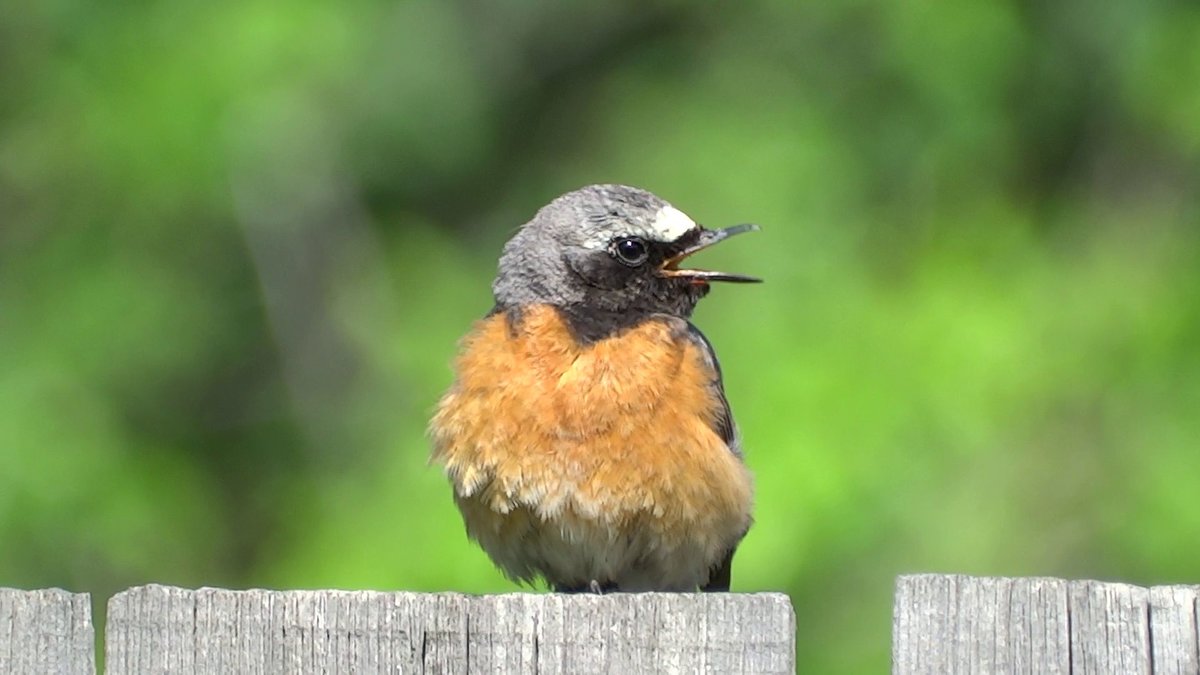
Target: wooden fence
957 624
941 624
159 629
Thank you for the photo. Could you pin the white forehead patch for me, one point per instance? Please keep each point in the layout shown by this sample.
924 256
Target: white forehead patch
670 224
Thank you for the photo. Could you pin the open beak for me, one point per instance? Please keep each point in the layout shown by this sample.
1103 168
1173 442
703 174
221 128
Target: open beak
670 266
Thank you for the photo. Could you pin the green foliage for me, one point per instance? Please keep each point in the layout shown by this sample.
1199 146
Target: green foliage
238 242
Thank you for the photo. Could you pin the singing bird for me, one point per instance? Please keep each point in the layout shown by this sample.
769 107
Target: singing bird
587 435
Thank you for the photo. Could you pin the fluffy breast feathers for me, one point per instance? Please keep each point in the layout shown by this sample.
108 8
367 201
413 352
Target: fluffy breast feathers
591 440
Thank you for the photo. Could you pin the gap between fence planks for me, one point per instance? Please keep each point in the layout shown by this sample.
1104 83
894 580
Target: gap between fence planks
959 624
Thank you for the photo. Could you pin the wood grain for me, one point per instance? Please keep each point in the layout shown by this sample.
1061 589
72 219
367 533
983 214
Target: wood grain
165 629
961 624
46 631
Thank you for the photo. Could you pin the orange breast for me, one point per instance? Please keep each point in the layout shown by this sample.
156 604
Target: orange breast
541 431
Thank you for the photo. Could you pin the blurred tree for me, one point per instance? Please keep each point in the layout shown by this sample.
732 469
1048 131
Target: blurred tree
238 242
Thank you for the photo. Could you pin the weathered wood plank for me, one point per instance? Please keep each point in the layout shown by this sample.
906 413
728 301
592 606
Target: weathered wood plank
164 629
46 631
1173 625
959 624
1110 628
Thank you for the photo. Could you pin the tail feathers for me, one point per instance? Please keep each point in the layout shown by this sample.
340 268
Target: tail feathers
718 581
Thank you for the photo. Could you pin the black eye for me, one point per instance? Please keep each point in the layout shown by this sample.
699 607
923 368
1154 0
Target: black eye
630 250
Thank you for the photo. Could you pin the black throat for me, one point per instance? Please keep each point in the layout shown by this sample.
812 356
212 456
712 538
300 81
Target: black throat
587 325
590 325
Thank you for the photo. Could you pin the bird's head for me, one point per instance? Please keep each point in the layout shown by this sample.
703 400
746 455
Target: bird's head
612 249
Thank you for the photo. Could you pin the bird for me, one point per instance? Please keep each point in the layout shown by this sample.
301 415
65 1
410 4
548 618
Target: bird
587 435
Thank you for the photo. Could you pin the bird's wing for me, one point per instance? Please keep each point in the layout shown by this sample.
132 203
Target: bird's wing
719 578
725 426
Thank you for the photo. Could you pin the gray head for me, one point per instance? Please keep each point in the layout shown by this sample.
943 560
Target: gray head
612 249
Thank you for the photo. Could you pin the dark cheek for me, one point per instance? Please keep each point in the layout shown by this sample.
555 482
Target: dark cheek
671 292
694 290
600 270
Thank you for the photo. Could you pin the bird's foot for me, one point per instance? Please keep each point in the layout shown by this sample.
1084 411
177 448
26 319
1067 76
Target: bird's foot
593 586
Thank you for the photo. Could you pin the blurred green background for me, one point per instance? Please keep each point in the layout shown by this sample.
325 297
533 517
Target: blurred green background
238 242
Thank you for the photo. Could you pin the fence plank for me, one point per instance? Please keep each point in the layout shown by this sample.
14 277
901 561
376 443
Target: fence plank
46 631
960 624
165 629
1110 628
1173 618
957 624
